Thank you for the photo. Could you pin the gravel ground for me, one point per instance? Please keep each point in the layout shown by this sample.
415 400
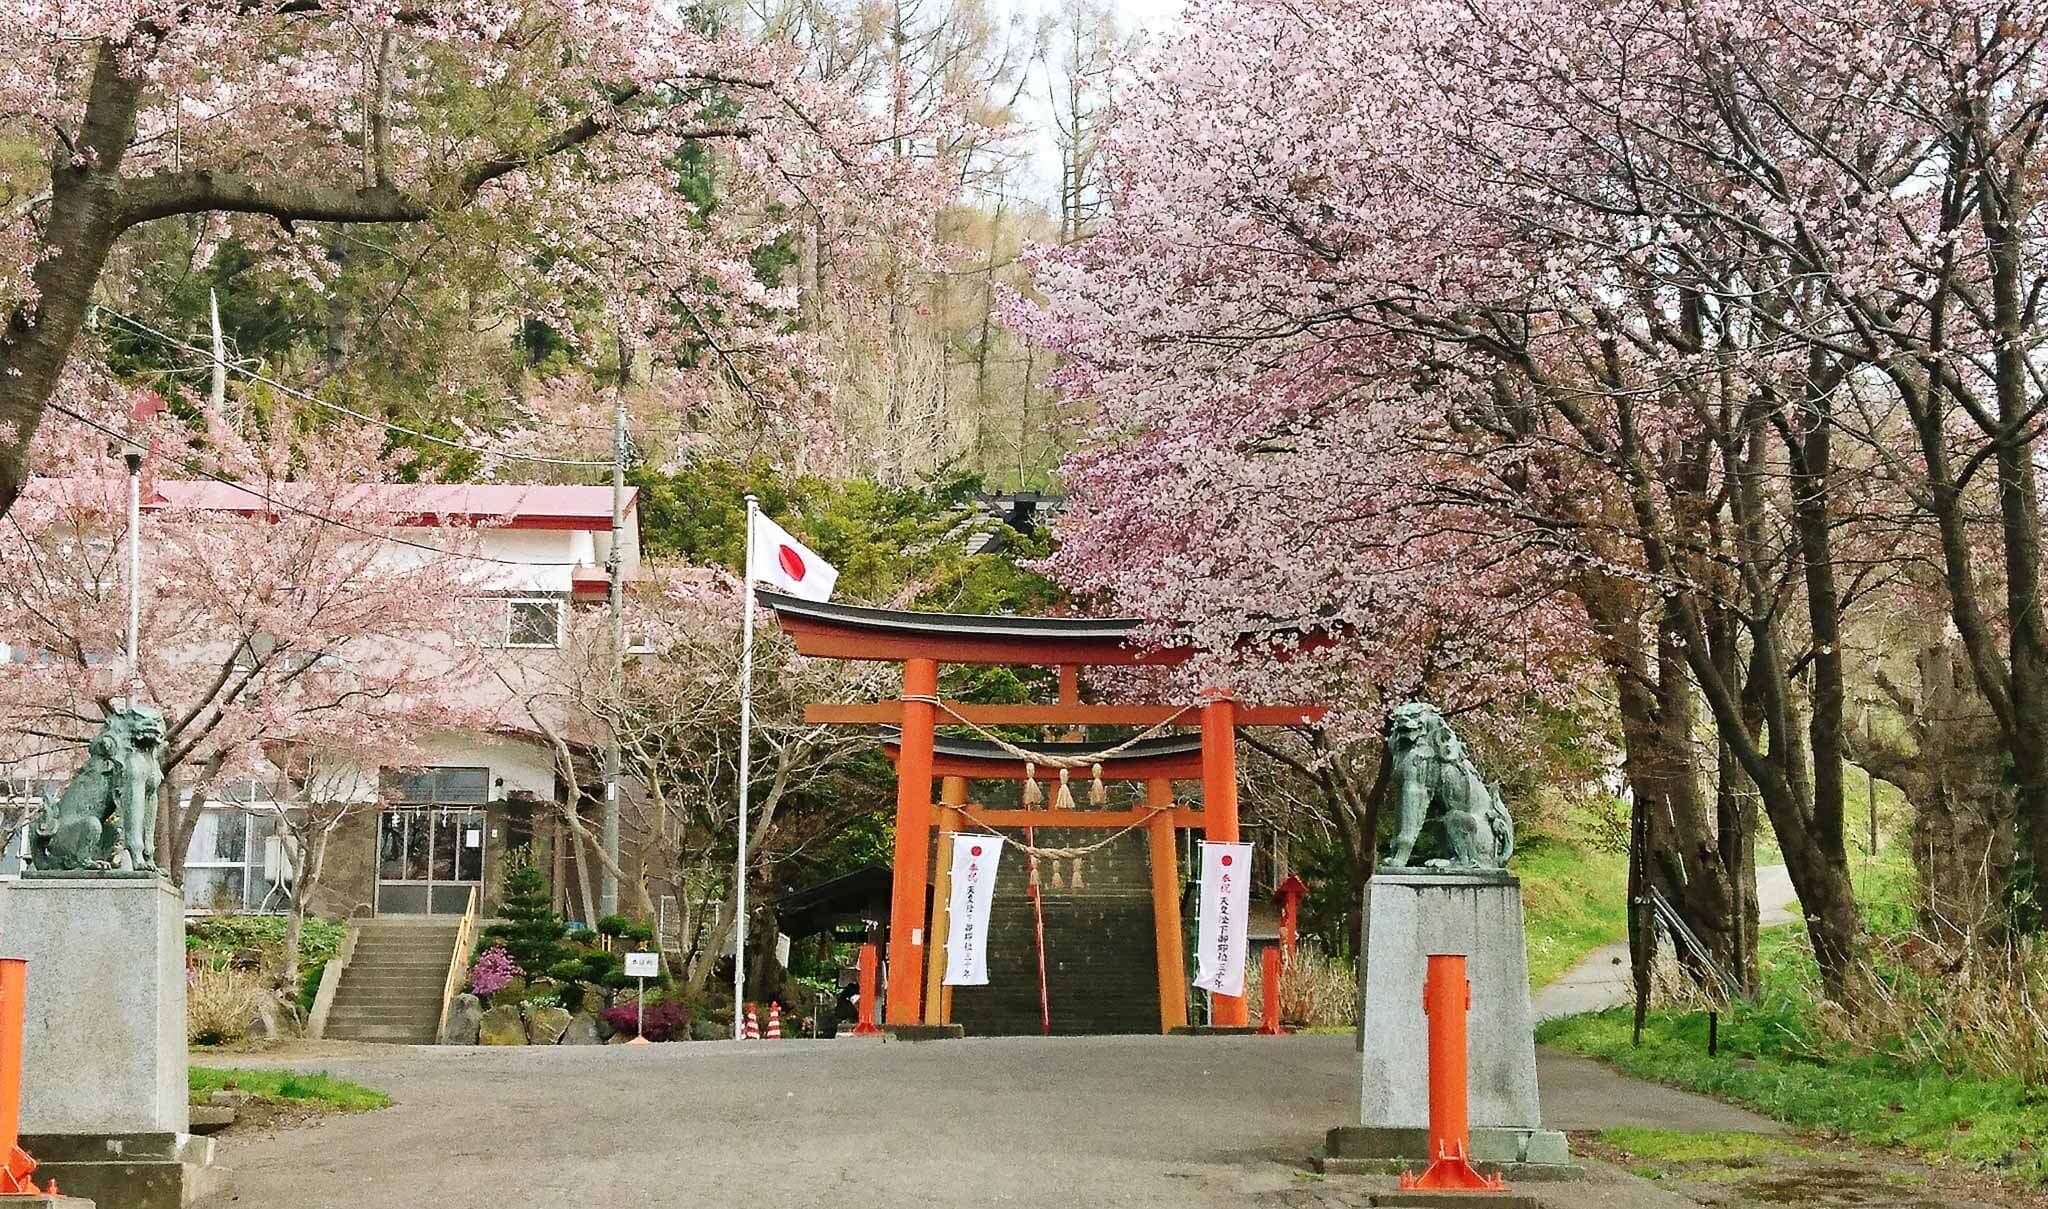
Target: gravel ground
1186 1123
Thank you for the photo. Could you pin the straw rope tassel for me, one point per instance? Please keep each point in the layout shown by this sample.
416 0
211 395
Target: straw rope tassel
1033 795
1098 793
1065 799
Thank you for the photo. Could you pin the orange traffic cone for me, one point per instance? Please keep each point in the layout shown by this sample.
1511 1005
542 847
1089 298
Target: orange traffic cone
774 1021
753 1030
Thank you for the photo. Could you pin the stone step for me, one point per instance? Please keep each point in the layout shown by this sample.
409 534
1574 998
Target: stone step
403 1020
396 947
388 1003
432 998
393 1034
391 989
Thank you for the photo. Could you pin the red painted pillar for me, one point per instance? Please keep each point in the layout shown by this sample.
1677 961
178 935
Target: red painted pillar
1446 998
907 941
1219 813
16 1167
865 1026
1166 934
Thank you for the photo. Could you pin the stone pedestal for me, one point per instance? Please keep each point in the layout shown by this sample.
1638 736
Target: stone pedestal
104 1046
1409 916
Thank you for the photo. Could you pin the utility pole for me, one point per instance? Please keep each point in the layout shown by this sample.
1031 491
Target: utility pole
608 882
132 452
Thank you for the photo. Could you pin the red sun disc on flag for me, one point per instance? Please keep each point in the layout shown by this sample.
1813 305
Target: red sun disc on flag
974 851
792 562
1226 860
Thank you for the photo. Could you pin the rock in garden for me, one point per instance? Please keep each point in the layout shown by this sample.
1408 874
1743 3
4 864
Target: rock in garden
465 1019
502 1026
582 1030
545 1025
710 1030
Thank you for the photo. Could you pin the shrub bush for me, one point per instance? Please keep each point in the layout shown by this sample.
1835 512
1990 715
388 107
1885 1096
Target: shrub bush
532 932
309 983
666 1020
257 941
493 972
1316 989
220 1003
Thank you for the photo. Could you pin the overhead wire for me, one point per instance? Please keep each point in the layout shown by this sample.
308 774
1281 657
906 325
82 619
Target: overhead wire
195 468
365 417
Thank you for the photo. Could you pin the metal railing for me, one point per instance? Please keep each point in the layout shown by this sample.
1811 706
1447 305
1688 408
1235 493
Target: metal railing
458 962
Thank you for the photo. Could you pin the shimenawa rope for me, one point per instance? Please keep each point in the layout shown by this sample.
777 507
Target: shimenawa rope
1052 820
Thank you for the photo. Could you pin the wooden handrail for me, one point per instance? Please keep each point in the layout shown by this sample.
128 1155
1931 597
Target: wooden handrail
465 936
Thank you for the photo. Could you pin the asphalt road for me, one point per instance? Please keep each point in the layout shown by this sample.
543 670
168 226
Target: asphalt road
1186 1123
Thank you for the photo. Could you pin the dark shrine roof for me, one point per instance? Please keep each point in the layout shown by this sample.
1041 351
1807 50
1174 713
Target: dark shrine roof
980 625
845 631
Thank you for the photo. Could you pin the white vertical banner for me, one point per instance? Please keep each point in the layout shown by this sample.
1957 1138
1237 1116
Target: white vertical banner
1220 932
974 890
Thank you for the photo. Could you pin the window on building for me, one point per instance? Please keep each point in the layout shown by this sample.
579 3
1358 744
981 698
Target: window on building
21 799
433 825
239 860
437 786
534 623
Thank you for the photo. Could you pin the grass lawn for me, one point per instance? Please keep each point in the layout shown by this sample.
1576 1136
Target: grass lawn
1775 1060
324 1091
1575 900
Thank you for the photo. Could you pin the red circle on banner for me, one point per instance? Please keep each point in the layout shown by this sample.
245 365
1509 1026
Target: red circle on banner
792 562
974 851
1226 859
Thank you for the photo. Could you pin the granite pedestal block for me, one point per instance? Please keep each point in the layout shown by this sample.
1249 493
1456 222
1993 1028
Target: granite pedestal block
1409 917
104 1044
128 1171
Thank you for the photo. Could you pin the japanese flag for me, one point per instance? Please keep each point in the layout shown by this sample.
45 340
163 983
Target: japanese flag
786 564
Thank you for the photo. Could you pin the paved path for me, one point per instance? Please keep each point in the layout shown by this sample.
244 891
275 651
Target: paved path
1601 980
1186 1123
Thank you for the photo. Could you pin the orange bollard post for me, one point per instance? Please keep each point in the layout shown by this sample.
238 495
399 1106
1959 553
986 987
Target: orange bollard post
1269 999
868 962
1446 997
16 1167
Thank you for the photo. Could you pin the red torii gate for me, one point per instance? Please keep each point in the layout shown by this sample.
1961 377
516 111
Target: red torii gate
921 642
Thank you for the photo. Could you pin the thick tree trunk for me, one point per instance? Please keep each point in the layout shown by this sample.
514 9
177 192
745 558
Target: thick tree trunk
84 221
1681 854
1964 836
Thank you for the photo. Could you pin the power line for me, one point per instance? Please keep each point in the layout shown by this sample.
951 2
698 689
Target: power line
195 468
315 400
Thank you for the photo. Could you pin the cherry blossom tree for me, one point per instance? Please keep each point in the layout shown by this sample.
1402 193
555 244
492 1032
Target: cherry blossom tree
677 722
297 619
1626 304
546 139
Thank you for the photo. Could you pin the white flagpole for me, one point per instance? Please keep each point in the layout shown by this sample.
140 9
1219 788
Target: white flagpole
739 931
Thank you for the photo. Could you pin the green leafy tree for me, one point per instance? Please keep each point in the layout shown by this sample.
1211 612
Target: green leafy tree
532 933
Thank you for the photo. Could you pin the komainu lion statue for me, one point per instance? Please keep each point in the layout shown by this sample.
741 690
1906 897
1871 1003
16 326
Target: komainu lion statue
110 807
1433 775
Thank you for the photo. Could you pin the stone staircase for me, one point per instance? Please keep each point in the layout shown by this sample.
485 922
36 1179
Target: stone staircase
391 988
1101 973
